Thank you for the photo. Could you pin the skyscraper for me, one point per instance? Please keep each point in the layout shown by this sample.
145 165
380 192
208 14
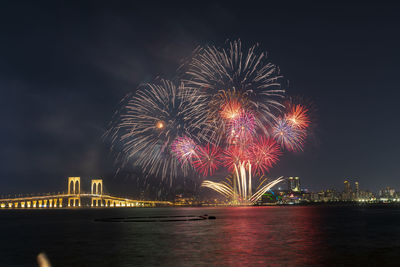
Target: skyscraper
357 193
294 184
347 187
347 191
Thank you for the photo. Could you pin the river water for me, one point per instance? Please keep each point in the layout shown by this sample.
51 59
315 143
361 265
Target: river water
240 236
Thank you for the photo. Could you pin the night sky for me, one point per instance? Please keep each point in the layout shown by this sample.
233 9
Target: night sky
65 66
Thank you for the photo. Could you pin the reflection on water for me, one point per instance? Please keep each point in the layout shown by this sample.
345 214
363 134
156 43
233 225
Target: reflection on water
247 236
265 235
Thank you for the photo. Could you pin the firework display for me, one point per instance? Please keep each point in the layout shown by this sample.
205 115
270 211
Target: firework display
228 110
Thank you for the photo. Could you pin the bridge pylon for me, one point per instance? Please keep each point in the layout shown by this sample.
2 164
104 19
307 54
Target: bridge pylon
97 186
97 192
74 190
74 185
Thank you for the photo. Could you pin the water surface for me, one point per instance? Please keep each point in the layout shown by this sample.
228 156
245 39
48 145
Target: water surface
243 236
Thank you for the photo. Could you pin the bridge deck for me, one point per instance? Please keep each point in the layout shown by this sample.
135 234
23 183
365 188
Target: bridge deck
103 196
74 197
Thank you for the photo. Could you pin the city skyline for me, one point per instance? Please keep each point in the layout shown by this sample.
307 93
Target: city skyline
75 197
351 187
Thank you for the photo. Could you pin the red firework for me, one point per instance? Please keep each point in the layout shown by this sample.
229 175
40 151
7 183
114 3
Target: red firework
264 154
233 156
297 116
207 160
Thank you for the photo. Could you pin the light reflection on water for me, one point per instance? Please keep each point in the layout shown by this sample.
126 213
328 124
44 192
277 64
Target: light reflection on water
245 236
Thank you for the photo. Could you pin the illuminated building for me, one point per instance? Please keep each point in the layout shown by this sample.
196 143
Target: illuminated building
357 188
294 184
346 196
329 195
270 197
387 193
181 200
347 187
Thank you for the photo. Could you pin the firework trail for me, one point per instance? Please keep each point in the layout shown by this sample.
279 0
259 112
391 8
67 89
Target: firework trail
234 190
257 195
222 188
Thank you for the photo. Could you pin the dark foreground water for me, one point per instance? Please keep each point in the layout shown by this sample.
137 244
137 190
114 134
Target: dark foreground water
248 236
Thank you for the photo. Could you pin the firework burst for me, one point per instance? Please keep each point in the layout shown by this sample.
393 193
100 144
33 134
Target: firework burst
297 116
288 136
231 109
238 73
153 120
265 153
234 155
184 149
241 129
207 160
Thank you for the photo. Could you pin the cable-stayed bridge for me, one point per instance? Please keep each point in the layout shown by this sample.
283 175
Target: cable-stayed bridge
77 199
